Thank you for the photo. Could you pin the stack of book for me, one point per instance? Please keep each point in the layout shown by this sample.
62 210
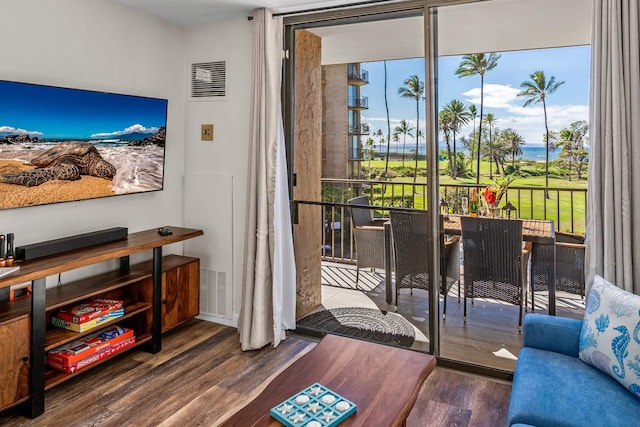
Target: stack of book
88 315
90 349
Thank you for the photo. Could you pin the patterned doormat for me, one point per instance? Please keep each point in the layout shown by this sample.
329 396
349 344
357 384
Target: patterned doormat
359 322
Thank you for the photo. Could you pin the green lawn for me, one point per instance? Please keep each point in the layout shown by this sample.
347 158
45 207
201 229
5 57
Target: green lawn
565 208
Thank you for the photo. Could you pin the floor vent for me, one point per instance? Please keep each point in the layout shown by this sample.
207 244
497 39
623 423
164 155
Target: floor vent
209 79
215 294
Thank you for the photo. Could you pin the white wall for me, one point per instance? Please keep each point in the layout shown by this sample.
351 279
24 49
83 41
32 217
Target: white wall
216 175
97 45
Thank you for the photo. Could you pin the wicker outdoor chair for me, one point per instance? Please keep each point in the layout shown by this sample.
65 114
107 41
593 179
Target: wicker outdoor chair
569 268
412 249
495 264
369 236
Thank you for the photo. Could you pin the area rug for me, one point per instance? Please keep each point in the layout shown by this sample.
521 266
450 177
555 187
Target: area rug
359 322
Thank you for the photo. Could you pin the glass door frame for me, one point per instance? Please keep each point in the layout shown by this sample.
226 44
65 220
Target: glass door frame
380 12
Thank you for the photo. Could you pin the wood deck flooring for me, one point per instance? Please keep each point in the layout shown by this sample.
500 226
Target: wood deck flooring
489 337
201 377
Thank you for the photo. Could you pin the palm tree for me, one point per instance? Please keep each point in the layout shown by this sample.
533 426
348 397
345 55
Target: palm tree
380 136
478 63
414 89
445 125
514 142
474 113
460 116
386 106
536 90
490 120
370 143
405 129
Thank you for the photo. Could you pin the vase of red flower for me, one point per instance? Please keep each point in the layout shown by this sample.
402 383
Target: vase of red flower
493 194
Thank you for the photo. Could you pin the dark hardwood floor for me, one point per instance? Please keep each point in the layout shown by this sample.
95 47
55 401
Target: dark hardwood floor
201 376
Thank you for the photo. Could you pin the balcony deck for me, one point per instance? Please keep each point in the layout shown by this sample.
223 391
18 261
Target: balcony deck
489 337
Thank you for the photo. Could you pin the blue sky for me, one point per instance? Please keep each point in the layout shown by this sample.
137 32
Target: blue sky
568 104
51 112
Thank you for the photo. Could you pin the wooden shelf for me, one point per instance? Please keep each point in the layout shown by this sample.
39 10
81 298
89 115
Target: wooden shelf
136 242
57 336
26 323
54 377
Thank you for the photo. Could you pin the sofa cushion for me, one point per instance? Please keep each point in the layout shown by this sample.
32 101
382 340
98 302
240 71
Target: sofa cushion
553 389
610 336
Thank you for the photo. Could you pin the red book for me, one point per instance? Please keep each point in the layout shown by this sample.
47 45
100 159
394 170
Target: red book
89 310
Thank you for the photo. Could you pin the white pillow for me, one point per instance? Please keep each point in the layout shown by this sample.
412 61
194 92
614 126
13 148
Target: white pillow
610 336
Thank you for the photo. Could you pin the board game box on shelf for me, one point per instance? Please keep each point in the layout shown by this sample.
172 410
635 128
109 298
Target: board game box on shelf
91 349
89 310
88 345
82 327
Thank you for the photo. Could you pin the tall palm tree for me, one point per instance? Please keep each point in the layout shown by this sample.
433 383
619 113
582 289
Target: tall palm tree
514 142
536 90
386 107
478 64
445 125
490 120
405 129
460 116
414 89
474 113
370 144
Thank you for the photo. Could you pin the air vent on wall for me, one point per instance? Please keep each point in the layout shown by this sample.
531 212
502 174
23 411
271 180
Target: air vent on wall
208 79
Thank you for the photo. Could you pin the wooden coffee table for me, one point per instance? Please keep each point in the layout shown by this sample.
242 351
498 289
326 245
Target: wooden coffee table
382 381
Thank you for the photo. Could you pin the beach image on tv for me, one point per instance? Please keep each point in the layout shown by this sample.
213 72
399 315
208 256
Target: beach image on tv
59 144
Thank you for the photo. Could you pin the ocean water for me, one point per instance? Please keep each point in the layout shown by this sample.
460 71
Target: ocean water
536 153
138 168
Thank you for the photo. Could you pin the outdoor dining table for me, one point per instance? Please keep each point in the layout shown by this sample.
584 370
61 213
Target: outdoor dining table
537 231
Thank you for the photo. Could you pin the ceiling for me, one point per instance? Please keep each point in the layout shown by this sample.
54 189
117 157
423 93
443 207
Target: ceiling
505 25
189 13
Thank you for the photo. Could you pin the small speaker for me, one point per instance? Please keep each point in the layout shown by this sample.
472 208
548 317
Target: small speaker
71 243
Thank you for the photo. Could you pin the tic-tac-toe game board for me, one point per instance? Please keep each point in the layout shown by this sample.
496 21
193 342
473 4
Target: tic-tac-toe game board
315 406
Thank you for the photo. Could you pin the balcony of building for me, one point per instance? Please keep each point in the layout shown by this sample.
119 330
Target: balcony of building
357 76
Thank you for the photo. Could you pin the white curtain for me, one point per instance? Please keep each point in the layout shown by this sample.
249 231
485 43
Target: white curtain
269 282
613 207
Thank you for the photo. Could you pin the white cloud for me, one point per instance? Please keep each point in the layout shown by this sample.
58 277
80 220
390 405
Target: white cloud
137 128
12 130
495 96
503 102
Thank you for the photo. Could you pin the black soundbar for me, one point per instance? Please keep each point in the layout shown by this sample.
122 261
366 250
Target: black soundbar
71 243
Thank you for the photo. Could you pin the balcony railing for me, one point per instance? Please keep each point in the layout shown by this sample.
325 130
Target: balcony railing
360 76
566 207
361 102
359 130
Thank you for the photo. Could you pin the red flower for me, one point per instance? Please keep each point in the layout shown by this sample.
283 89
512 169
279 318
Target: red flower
489 196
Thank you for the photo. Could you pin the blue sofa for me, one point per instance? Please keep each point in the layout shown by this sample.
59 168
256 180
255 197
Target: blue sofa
552 387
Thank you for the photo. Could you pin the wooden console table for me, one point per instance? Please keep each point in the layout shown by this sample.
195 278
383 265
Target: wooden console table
25 321
382 381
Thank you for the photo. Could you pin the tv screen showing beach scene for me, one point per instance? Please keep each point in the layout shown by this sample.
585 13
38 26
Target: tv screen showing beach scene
59 144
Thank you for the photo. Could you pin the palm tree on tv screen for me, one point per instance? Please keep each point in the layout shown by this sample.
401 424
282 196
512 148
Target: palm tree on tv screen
478 64
535 91
414 89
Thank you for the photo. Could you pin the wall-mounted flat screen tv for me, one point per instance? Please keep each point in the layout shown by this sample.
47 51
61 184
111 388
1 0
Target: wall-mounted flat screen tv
59 144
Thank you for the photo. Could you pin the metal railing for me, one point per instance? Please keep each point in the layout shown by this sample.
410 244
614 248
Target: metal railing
354 74
566 207
358 102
